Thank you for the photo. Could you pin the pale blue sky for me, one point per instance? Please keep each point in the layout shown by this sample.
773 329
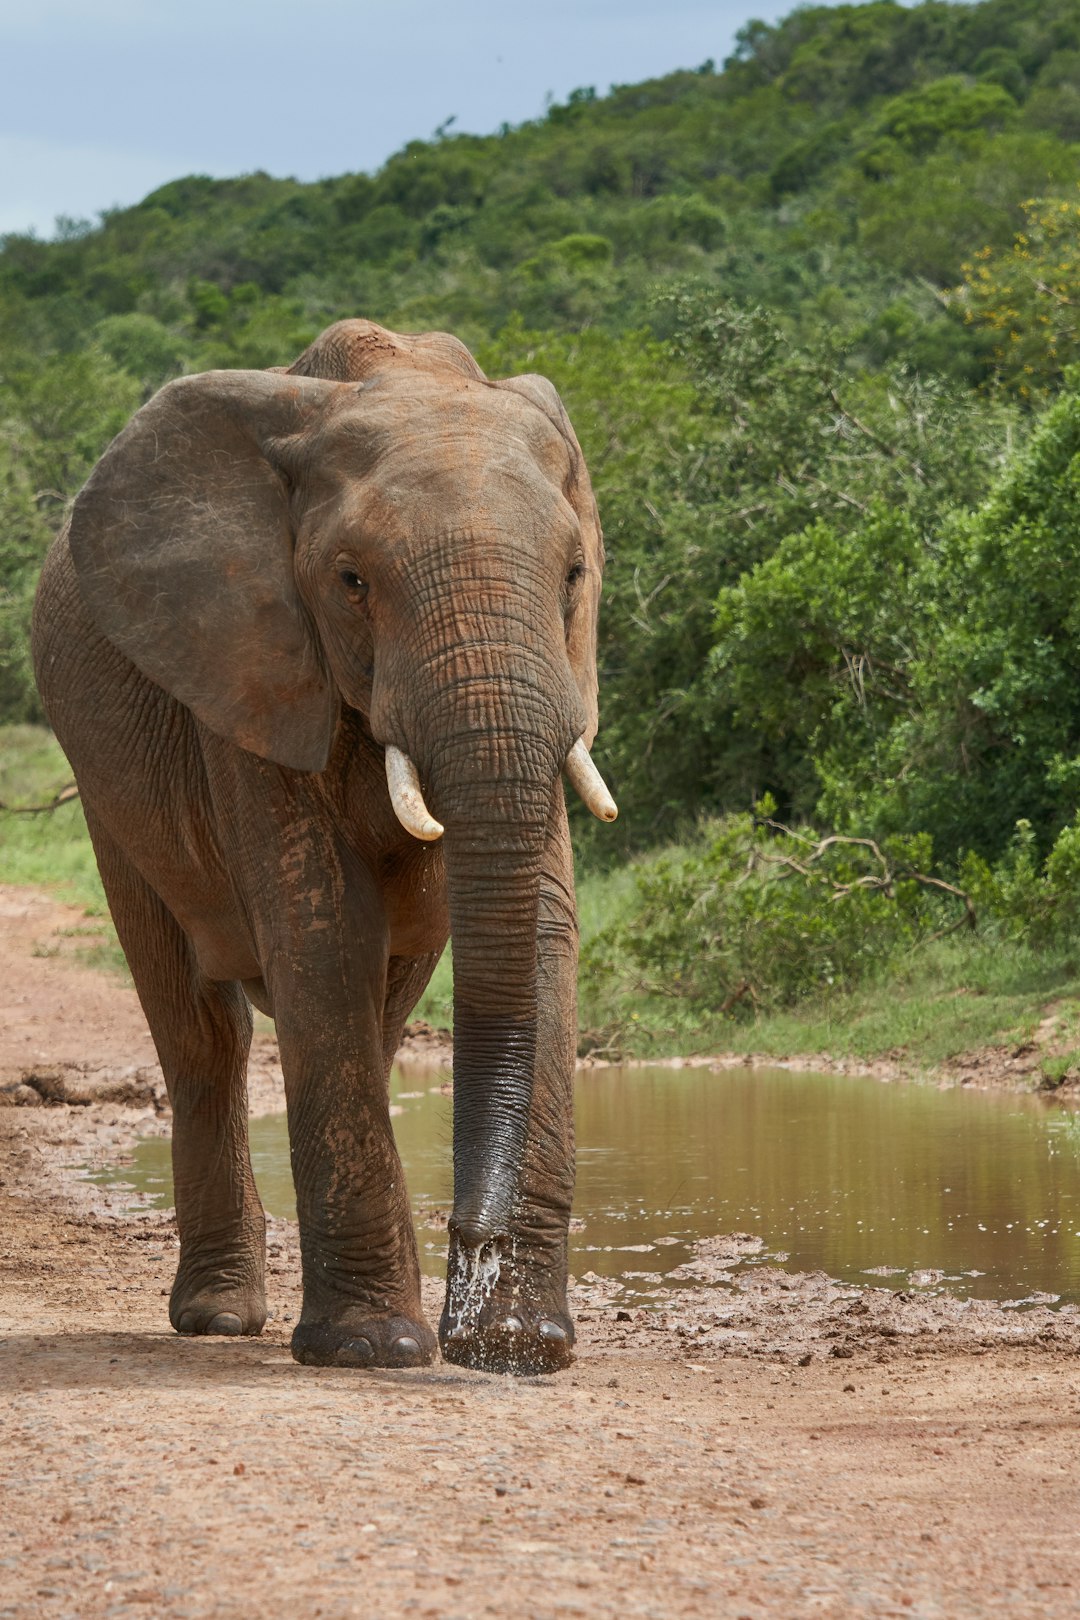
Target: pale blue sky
103 100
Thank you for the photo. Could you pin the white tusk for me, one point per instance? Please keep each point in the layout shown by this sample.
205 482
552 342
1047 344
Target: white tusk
584 776
407 799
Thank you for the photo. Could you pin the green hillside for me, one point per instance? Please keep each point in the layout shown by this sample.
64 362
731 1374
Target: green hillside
833 164
816 315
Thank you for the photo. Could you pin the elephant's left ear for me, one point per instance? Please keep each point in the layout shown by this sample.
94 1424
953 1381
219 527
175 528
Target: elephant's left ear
581 630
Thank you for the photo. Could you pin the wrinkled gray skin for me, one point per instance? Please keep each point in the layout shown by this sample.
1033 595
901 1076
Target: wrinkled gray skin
269 578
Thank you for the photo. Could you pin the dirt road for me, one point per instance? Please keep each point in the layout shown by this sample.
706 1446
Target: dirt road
766 1445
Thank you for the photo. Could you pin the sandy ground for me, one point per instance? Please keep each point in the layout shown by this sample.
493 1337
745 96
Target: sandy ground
765 1445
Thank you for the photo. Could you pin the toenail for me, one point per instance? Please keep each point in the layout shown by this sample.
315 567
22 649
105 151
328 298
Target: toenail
187 1323
406 1346
354 1353
513 1324
553 1332
226 1322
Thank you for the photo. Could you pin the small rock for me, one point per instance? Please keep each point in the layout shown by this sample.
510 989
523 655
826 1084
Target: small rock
20 1096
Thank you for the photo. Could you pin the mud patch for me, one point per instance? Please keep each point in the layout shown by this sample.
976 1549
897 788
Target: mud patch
728 1300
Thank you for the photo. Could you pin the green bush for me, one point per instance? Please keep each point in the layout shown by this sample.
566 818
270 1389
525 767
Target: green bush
1033 900
24 538
143 347
752 917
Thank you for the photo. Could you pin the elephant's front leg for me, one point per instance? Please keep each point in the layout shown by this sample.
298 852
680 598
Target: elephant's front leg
360 1269
507 1311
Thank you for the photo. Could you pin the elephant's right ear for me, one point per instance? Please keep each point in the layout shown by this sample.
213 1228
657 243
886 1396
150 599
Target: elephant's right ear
183 546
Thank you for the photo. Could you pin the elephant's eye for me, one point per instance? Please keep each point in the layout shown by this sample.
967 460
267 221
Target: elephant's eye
356 587
576 573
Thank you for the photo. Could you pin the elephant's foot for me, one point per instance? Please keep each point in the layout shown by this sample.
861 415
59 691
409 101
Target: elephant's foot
219 1294
229 1311
501 1318
360 1339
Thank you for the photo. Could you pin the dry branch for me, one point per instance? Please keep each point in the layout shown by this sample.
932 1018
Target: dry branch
65 796
882 882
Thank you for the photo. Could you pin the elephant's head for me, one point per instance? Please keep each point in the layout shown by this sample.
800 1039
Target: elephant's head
382 525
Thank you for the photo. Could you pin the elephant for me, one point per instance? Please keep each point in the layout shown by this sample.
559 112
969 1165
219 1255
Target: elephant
320 646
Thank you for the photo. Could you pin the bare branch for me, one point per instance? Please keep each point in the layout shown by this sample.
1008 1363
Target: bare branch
65 796
841 495
883 883
883 445
1059 298
736 995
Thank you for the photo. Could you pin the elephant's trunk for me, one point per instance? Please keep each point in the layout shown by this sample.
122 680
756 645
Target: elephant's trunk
493 871
494 792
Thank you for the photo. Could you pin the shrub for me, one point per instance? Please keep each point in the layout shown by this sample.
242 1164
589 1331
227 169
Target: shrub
755 916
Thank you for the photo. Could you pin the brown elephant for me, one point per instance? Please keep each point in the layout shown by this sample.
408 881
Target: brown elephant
295 617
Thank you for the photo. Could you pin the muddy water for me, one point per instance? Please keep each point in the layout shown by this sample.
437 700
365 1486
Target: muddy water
869 1182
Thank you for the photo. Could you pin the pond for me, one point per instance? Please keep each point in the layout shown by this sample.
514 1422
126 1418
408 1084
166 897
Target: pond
867 1181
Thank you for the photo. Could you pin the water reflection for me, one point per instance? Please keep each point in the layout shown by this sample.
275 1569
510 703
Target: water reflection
841 1174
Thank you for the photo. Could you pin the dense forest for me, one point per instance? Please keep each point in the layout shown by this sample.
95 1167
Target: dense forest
815 313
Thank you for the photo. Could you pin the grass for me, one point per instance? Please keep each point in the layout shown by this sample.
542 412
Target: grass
952 997
51 850
949 999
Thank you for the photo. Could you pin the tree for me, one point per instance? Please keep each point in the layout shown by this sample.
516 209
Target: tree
1028 297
